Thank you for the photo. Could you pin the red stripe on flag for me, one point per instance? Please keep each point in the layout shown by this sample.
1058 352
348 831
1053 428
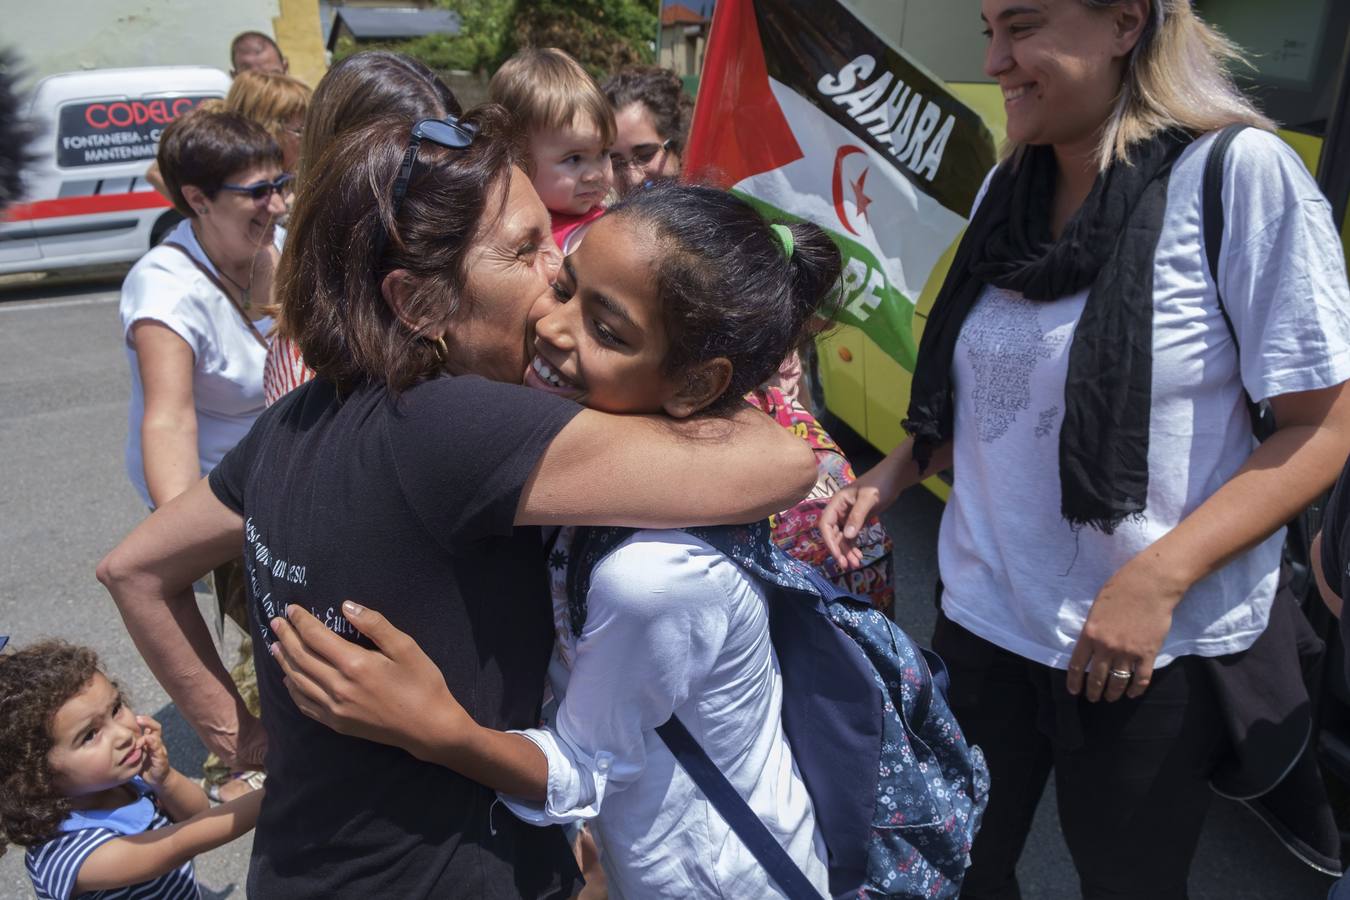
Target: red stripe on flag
739 129
83 206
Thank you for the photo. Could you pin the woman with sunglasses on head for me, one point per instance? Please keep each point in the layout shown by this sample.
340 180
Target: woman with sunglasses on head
413 467
652 114
361 89
1110 552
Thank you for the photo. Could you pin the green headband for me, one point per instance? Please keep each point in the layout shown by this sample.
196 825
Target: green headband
784 237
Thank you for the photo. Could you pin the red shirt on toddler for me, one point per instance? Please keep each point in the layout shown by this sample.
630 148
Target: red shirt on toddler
566 224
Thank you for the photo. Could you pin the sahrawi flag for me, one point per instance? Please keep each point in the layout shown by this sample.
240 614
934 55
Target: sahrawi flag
806 112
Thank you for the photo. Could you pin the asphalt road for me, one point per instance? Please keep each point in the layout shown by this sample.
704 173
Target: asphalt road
64 501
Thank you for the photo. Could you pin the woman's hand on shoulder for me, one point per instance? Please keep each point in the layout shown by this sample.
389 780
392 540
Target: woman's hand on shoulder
392 695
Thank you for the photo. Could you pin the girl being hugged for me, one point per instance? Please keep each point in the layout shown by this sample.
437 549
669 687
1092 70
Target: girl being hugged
88 789
679 301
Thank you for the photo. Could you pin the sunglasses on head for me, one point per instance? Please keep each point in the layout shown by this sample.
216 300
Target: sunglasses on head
261 191
448 132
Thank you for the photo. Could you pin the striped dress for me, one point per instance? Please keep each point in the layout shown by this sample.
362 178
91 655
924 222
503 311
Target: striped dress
54 865
285 369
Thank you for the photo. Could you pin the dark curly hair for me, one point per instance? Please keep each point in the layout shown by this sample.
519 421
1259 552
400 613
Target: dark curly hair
35 682
661 92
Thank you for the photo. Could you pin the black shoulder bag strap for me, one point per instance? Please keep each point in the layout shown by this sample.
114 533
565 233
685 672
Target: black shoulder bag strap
211 277
1213 217
732 806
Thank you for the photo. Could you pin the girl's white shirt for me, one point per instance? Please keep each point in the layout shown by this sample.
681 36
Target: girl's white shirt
672 626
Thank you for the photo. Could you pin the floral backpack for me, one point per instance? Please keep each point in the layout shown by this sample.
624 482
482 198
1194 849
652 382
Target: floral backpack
897 791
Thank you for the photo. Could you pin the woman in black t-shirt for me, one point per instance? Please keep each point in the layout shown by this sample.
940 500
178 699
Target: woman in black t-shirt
404 471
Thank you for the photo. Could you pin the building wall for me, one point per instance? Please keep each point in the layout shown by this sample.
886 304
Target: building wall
680 52
68 35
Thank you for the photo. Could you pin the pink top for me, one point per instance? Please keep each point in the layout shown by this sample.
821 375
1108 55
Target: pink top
565 224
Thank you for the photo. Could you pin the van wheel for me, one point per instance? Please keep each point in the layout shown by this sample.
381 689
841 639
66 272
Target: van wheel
163 225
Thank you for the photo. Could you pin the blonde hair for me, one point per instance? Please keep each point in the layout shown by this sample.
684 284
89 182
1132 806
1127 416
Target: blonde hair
269 99
547 90
1175 78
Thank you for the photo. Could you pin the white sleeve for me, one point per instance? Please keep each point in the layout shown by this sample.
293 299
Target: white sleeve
658 613
1282 271
984 189
156 290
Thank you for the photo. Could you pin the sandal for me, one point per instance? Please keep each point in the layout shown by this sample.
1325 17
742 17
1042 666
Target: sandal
254 778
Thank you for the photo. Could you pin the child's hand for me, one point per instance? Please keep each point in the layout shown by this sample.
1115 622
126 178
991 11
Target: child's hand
156 766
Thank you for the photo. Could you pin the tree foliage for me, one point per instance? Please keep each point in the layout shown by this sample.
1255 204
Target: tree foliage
604 35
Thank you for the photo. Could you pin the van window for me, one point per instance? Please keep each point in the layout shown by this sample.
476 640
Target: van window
110 131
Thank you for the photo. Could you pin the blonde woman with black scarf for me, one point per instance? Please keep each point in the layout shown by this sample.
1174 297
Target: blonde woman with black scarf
1112 541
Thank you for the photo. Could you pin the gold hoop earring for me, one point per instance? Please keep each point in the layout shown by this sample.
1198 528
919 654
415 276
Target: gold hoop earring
442 352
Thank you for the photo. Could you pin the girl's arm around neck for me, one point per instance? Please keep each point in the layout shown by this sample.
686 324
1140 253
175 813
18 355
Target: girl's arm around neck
135 858
657 472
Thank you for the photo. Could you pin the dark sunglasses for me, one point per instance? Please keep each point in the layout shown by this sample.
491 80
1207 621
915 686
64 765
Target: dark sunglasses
261 191
448 132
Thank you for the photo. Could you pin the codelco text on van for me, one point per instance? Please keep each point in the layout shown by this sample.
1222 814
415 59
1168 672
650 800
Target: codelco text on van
86 199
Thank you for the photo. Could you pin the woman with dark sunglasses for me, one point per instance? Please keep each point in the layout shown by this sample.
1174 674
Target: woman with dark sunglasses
415 466
192 307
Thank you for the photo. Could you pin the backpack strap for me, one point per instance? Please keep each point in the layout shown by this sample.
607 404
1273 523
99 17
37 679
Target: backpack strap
211 277
1212 215
732 806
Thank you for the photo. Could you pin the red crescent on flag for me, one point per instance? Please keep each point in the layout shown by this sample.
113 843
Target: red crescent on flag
837 183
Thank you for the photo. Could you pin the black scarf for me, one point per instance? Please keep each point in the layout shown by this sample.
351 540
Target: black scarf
1109 244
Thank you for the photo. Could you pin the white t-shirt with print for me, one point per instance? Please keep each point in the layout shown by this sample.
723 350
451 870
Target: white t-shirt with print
1014 572
164 286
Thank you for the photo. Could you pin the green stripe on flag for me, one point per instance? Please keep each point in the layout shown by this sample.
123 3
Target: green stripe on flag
869 301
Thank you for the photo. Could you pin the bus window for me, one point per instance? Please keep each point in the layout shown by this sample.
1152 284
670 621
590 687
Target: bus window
1295 48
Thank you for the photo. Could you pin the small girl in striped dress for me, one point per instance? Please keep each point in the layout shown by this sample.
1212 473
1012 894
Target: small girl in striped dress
86 786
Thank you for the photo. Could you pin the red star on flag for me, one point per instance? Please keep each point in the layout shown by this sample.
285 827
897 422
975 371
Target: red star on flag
861 200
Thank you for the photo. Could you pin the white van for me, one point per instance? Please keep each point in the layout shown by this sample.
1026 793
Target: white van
87 200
